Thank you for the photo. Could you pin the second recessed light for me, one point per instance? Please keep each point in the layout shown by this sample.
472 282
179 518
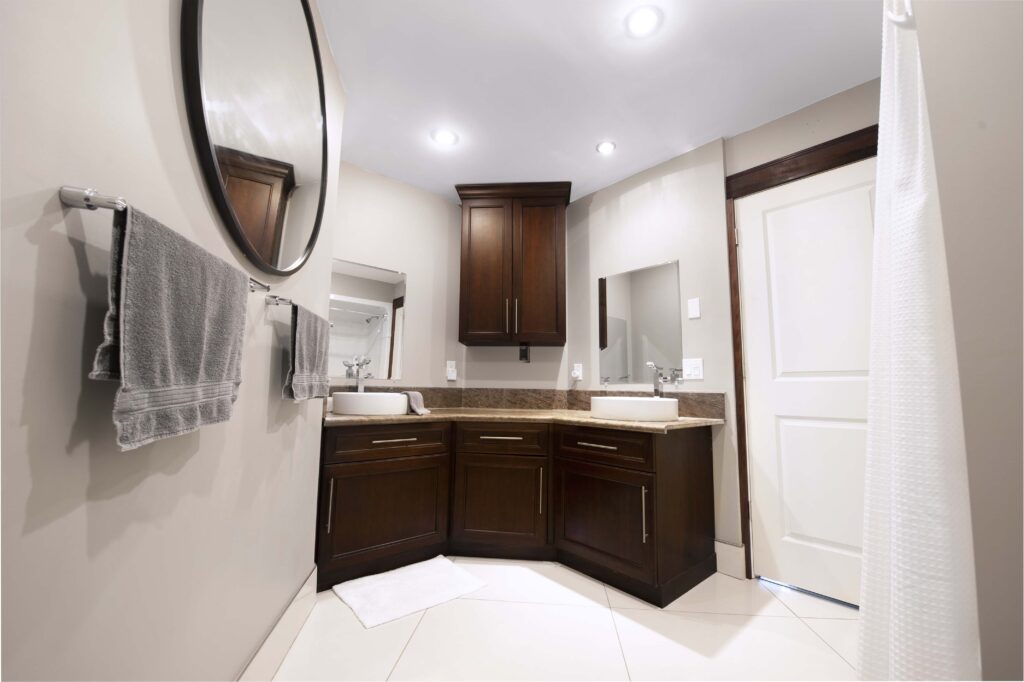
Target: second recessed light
643 21
606 147
444 137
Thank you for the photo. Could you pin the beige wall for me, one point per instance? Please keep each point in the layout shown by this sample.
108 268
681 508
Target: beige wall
822 121
971 59
175 560
390 224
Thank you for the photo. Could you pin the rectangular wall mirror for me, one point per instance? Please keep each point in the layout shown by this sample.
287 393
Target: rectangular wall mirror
639 321
367 320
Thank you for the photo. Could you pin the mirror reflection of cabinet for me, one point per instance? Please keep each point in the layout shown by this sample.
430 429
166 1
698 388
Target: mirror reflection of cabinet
640 321
367 314
513 264
258 189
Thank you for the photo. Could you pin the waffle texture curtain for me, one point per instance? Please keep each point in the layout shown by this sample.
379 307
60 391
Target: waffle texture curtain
918 597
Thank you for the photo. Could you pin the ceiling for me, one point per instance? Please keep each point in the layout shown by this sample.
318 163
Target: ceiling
531 86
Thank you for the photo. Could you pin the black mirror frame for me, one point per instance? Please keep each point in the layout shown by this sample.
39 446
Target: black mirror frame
191 62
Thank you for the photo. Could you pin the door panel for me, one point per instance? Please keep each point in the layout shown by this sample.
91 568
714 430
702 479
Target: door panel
603 514
500 500
539 272
486 299
804 255
378 508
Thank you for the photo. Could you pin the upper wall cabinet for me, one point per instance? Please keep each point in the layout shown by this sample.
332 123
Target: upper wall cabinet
513 264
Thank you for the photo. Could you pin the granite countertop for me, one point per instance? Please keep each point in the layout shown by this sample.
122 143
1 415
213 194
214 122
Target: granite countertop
570 417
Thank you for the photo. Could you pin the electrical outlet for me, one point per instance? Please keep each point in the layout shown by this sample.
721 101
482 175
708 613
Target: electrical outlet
577 371
450 372
693 369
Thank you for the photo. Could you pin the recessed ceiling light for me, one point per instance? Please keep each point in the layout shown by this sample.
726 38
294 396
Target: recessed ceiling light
444 137
643 21
606 147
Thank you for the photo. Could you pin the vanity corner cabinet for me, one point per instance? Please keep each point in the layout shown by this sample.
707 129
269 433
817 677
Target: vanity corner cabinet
512 283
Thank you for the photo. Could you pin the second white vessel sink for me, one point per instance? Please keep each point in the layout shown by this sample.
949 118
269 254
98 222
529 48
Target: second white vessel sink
368 404
641 409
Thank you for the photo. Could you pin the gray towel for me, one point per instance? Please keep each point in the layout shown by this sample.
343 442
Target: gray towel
307 376
416 405
173 333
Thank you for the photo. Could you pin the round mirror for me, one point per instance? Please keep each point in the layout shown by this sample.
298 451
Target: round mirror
254 92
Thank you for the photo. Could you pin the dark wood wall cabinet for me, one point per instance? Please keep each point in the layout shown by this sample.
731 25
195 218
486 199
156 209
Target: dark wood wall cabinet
512 285
632 509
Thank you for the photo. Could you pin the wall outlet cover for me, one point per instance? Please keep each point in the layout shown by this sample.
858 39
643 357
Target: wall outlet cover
450 372
693 308
693 369
577 371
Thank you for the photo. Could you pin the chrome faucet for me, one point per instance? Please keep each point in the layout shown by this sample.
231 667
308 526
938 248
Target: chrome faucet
659 378
355 367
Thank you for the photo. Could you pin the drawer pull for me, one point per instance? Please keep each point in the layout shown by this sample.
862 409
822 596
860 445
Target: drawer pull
395 440
501 437
540 497
643 511
596 445
330 507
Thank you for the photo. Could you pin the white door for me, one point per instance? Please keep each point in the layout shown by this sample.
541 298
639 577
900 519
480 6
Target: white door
805 287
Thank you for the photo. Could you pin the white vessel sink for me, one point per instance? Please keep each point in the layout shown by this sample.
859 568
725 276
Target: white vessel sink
641 409
370 403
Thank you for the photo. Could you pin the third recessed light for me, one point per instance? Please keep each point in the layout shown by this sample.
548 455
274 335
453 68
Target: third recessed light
643 21
606 147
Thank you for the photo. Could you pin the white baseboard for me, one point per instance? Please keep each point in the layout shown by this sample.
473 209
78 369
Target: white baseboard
732 560
270 655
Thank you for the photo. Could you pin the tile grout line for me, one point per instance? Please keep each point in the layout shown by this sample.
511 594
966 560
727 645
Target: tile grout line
813 631
411 635
618 638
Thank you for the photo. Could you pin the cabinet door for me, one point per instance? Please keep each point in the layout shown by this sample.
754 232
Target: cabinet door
500 500
485 300
538 305
604 515
374 509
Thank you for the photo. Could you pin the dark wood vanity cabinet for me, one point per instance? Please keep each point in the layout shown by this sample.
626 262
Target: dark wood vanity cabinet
512 284
632 509
636 510
500 498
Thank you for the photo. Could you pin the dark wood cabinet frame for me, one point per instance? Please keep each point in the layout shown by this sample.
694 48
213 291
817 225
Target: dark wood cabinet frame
191 62
850 148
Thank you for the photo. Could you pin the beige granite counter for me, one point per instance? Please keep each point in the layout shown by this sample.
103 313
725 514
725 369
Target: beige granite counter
569 417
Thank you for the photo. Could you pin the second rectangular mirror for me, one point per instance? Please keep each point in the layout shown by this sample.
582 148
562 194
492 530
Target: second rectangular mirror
639 321
367 320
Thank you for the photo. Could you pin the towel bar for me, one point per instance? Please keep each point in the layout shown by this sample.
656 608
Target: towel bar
88 198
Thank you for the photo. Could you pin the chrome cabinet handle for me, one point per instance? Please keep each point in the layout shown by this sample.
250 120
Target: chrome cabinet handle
501 437
596 445
540 497
643 511
330 507
517 316
506 316
394 440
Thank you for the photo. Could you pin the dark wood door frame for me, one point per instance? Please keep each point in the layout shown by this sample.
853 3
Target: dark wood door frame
856 146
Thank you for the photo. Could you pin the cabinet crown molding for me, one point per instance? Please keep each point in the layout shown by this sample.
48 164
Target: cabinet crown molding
512 190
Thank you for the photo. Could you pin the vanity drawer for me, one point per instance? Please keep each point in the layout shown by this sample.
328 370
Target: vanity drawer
630 449
502 438
382 441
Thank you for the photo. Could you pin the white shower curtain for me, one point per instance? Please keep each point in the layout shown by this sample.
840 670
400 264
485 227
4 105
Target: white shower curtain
918 616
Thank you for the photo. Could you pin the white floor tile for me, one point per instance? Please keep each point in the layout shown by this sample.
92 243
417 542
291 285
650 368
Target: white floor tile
539 582
334 645
840 634
660 645
718 594
808 606
470 639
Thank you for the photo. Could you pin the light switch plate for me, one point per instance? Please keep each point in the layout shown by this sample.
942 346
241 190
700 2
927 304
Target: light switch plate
693 368
693 308
450 372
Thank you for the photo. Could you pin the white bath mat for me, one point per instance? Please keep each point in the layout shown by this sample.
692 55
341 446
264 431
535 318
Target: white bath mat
389 596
